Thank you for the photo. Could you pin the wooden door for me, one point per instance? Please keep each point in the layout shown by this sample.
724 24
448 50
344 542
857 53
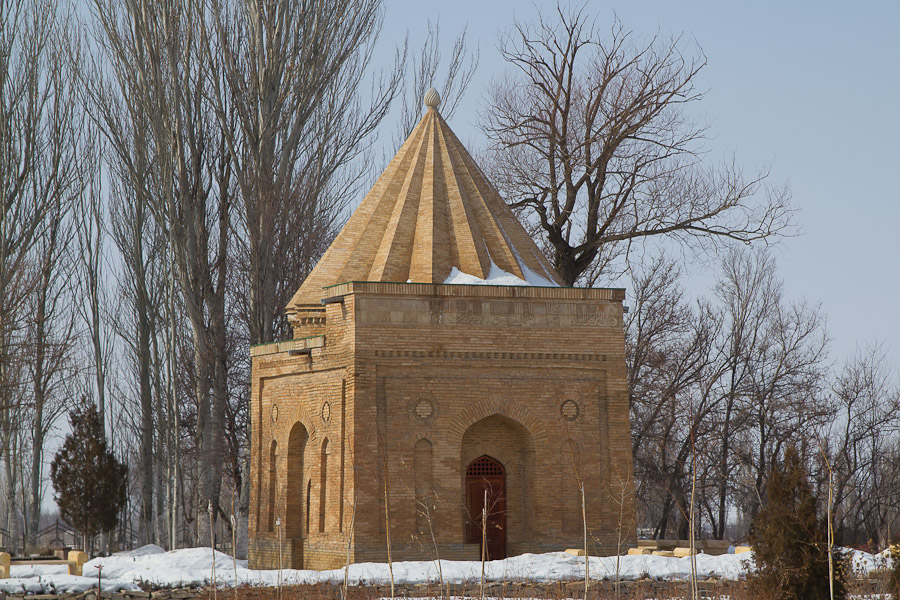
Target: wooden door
486 476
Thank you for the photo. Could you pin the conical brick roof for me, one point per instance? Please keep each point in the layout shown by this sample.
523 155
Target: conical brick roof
430 211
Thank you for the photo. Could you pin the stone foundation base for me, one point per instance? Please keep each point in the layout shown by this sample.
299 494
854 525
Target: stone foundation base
323 554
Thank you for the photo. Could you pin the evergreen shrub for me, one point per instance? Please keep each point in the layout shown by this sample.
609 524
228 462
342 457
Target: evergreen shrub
790 541
90 482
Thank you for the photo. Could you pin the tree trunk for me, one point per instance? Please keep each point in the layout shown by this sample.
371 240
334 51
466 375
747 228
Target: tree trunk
243 516
12 515
37 432
146 447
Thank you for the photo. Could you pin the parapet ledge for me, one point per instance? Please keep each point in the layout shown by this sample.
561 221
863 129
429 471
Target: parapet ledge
298 346
382 288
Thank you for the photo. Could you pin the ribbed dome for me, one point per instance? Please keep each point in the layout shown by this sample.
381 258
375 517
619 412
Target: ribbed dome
430 211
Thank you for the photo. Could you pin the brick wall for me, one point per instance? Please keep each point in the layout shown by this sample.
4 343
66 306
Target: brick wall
534 377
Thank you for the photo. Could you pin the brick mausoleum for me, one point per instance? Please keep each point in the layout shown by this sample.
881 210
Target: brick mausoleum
404 385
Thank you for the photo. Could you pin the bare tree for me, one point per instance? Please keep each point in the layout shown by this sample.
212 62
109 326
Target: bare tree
39 175
90 220
13 428
290 110
142 248
670 353
422 71
784 398
718 390
50 335
592 142
861 440
154 56
140 245
747 292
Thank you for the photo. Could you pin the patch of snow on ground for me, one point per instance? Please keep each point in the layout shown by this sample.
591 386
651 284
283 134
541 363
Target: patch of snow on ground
142 551
193 567
497 276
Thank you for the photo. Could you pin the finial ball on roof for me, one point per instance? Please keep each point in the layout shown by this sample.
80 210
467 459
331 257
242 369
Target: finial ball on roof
432 98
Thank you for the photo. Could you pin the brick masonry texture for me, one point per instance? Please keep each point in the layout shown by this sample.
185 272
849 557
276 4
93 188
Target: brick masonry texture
533 377
369 417
431 210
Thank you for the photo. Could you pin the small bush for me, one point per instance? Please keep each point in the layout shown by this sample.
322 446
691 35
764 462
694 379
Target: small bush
790 541
894 585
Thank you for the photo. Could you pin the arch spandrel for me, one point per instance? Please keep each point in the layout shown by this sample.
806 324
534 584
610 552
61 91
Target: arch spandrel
487 407
297 415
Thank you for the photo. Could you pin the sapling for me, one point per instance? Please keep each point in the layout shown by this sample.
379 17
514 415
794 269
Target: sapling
435 545
620 532
828 516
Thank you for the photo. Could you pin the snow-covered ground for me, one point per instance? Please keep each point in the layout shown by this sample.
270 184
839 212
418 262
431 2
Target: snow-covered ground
193 566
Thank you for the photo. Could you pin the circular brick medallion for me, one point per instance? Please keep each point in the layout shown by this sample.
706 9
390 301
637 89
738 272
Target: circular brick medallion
569 410
424 409
274 413
326 411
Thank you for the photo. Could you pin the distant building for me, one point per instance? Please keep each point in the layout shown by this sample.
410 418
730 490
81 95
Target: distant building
420 375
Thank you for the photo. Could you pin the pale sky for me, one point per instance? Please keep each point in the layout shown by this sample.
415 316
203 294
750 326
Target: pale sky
811 87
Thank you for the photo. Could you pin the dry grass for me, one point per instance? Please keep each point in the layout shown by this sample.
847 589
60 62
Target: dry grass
860 588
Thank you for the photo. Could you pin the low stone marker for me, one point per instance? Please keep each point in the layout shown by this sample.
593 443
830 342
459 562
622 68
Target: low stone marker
75 562
715 547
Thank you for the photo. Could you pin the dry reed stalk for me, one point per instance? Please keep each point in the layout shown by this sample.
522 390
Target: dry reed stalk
349 546
483 540
387 521
587 564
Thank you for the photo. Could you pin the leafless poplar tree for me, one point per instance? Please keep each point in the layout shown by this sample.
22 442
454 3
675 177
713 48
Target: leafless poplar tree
90 223
136 235
291 114
39 174
290 109
747 292
154 56
50 335
593 143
